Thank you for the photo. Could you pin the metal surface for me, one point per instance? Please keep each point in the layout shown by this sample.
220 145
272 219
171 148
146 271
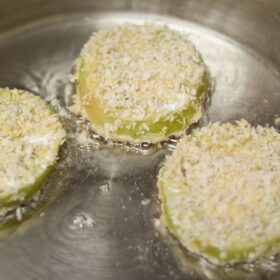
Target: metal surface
103 219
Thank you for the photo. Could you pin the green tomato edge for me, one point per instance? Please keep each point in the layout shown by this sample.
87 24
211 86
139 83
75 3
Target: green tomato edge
159 130
212 253
27 192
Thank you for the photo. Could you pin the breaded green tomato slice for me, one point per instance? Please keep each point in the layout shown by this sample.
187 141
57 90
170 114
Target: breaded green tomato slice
141 83
30 138
220 192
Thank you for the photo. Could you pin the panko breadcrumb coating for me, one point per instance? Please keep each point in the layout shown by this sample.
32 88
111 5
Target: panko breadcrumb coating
30 138
220 192
140 83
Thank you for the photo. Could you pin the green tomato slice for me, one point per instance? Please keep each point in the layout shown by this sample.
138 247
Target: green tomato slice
214 197
30 138
148 84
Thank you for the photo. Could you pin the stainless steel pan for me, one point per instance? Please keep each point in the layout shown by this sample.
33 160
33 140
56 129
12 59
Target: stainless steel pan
102 216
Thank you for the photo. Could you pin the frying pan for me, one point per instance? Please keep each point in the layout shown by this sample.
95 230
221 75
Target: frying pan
98 216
